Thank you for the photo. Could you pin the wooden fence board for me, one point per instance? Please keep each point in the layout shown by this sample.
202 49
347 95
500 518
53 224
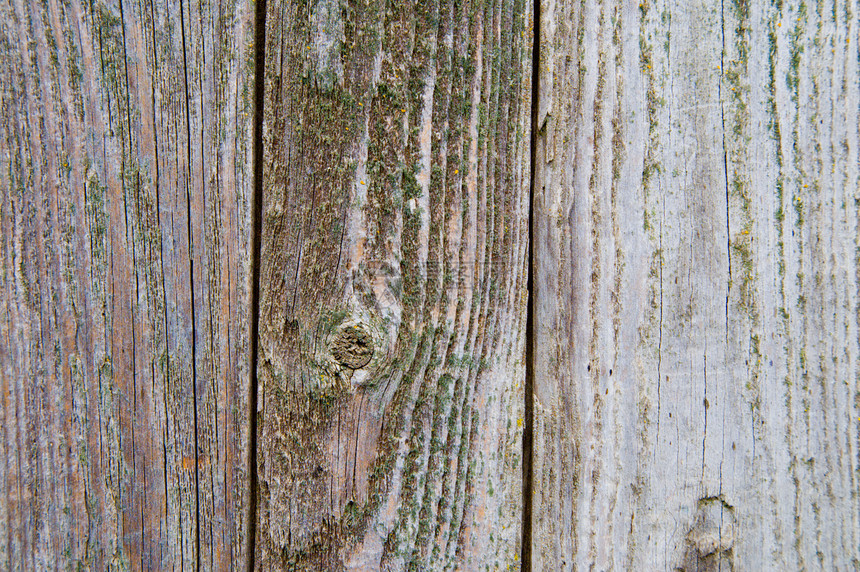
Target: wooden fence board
126 171
696 324
395 230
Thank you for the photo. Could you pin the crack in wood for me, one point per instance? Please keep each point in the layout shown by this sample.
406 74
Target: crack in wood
191 287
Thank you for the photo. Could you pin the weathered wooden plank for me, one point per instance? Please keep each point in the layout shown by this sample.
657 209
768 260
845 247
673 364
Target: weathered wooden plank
696 286
393 293
126 170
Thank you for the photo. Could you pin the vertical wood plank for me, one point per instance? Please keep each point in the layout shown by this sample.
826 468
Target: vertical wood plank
393 284
126 169
696 337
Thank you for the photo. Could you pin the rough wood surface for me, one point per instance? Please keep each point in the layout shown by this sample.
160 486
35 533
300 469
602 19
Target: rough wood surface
696 286
695 300
124 178
395 229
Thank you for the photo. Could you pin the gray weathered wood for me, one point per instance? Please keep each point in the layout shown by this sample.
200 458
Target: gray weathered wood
696 286
124 181
395 227
695 303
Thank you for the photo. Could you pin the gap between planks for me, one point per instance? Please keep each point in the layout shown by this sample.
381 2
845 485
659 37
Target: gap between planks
528 430
256 241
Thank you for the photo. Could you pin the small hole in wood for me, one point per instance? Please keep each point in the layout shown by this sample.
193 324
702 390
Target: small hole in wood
353 347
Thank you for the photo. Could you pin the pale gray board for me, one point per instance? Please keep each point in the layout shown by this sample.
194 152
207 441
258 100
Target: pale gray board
696 287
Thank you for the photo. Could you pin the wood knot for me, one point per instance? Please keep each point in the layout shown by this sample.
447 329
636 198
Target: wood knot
711 537
713 530
353 346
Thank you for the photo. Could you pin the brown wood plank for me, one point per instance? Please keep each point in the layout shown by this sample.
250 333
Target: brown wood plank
126 171
393 284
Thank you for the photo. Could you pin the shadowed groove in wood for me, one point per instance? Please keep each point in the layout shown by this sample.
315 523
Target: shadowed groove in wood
528 430
256 228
